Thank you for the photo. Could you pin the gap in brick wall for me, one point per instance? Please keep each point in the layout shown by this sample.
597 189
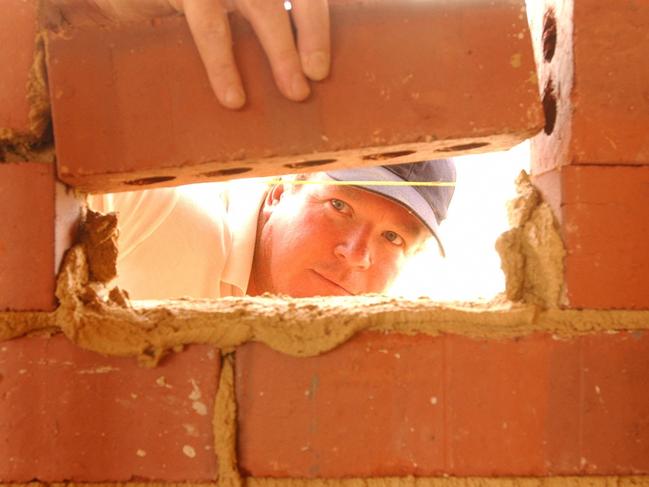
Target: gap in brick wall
476 218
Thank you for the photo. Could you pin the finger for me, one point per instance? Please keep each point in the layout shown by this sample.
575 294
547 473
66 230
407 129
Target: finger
273 28
313 36
208 22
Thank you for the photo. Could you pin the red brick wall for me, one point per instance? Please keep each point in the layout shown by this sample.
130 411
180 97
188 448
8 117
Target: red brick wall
382 404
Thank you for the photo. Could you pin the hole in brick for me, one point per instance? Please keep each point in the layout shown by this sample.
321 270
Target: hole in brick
387 155
151 180
225 172
469 146
549 35
549 107
318 162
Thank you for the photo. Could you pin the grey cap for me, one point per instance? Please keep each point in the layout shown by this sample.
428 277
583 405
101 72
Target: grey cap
428 203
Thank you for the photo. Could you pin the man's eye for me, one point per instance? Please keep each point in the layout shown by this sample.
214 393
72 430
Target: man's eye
393 237
338 205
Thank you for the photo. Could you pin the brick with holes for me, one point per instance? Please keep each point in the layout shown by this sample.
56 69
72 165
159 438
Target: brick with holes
593 80
438 84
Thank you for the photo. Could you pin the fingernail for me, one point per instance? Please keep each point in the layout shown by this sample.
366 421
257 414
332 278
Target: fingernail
299 87
316 65
234 97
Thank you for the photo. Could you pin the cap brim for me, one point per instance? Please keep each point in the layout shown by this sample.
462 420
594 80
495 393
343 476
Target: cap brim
404 195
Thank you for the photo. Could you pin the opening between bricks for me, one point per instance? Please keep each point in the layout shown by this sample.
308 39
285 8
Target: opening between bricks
210 240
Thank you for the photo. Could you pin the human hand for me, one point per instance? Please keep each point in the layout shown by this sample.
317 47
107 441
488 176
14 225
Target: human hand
208 22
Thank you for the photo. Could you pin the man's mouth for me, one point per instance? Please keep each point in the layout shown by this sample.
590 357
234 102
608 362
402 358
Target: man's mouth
334 283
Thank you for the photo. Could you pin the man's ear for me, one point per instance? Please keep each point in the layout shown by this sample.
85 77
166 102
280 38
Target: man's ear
274 194
271 200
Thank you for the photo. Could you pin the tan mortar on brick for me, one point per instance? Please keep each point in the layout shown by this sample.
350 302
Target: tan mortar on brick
39 102
38 92
585 481
225 426
532 252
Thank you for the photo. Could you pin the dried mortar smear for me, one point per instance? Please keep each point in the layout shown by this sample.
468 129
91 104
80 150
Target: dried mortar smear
38 99
225 426
531 252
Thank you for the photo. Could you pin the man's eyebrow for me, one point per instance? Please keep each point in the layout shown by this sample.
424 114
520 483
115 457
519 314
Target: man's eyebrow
412 229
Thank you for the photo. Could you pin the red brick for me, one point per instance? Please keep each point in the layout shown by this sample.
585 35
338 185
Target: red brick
362 410
611 48
600 77
562 425
38 221
499 397
549 184
605 228
438 84
18 28
69 414
615 391
393 405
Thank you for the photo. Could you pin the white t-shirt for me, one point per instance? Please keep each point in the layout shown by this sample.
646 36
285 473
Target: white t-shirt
173 244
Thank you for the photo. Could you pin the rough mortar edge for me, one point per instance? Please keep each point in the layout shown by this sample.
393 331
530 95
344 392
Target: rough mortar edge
532 252
572 481
225 426
14 324
299 327
38 91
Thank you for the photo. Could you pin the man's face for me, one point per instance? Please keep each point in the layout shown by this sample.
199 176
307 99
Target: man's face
323 240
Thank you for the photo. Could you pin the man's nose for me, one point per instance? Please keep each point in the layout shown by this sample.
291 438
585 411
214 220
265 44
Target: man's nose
355 249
